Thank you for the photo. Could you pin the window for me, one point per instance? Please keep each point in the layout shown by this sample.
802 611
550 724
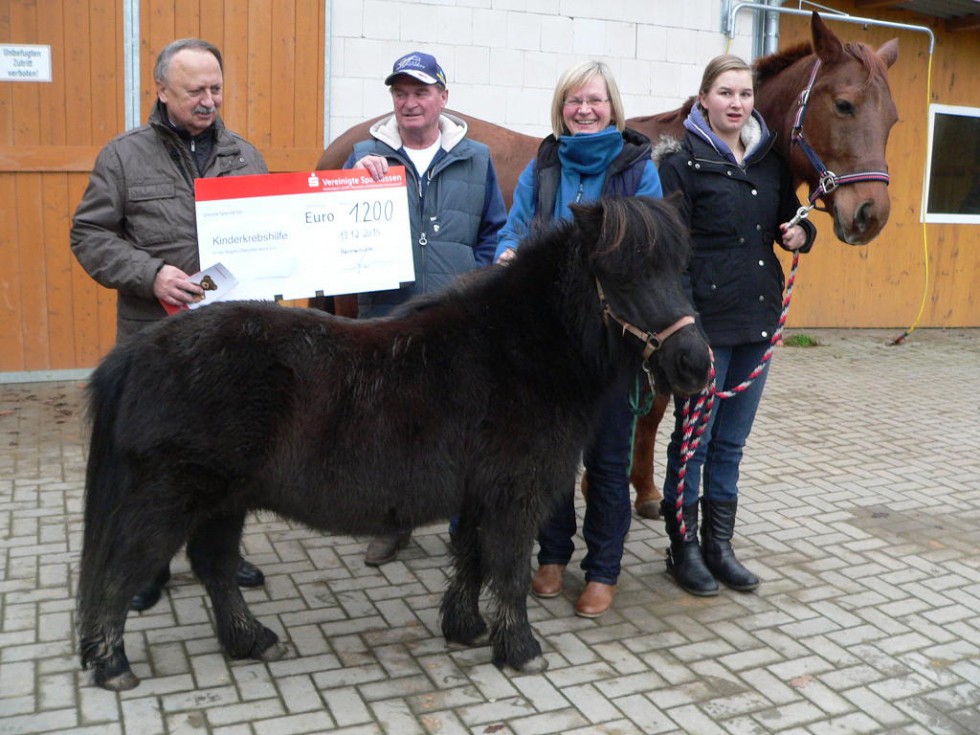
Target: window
952 186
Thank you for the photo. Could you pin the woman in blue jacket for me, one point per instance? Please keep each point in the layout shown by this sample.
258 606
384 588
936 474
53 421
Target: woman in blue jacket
589 155
737 198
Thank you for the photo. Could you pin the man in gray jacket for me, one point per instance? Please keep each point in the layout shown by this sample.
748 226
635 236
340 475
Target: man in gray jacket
135 229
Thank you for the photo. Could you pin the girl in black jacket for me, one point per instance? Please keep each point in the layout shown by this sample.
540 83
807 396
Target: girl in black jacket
737 197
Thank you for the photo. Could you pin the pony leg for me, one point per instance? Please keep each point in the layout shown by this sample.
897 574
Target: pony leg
506 545
213 550
648 495
105 589
461 619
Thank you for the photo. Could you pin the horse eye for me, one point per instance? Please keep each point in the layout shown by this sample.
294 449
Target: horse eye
844 107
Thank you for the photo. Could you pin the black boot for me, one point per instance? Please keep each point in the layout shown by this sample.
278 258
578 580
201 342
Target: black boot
684 560
716 541
150 595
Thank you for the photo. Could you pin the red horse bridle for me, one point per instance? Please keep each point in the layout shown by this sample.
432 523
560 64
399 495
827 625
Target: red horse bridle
651 342
828 179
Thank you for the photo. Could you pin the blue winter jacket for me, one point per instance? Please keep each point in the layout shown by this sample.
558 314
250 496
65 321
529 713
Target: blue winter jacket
631 173
455 209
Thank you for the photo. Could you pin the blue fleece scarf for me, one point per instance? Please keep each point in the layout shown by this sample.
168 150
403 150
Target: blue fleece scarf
584 159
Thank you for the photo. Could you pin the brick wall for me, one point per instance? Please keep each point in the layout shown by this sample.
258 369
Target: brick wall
503 57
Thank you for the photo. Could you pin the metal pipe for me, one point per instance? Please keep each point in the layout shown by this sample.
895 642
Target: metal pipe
327 70
131 64
842 17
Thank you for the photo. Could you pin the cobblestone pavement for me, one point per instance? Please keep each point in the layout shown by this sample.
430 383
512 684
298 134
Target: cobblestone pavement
860 511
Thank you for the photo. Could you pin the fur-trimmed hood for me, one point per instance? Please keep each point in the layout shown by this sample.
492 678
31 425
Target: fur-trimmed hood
665 145
754 134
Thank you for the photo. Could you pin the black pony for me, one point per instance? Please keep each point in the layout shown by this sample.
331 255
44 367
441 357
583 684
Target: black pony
476 402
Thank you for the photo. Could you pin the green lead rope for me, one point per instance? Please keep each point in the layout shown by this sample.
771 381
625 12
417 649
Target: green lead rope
641 401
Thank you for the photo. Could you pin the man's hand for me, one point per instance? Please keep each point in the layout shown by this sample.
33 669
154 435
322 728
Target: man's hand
507 256
173 286
377 166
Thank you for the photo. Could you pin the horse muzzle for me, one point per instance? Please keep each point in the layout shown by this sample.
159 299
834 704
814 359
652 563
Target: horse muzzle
860 212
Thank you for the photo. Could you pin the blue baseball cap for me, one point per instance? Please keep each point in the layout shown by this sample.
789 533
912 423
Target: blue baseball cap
418 65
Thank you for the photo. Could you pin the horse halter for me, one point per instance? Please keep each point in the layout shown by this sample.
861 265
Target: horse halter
828 179
651 342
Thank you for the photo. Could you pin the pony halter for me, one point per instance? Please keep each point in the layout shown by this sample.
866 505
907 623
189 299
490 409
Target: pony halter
828 179
651 342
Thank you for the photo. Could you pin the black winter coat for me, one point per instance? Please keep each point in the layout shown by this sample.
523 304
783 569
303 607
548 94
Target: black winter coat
734 278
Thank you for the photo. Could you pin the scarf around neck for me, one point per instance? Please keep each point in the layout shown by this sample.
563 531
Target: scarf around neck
584 159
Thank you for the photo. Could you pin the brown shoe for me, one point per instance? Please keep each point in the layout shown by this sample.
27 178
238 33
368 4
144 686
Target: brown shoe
595 599
547 581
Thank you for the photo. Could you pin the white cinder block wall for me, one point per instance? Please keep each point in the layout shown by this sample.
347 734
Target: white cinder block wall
503 57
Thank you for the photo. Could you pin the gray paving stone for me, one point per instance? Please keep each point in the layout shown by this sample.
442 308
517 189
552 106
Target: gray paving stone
861 519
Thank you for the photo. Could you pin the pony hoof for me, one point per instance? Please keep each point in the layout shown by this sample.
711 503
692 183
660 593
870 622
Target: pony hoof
266 648
649 509
269 648
119 683
535 666
273 653
481 640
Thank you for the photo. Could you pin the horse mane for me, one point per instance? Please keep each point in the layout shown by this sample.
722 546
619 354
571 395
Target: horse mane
869 59
767 67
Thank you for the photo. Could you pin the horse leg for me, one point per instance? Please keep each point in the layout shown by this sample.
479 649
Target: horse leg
139 548
461 619
648 495
213 550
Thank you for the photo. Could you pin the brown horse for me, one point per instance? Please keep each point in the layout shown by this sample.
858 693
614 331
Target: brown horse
849 115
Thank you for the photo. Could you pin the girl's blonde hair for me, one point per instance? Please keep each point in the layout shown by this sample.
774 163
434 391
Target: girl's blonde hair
718 66
574 78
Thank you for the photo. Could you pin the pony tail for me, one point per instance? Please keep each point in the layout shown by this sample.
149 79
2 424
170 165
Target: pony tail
106 477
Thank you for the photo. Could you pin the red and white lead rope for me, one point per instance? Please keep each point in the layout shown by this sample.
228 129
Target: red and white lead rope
697 409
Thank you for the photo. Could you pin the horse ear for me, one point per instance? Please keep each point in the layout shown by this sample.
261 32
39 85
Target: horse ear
826 45
888 52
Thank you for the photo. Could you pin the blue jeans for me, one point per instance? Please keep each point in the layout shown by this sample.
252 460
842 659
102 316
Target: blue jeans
607 506
719 454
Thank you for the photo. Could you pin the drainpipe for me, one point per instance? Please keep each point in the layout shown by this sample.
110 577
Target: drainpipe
131 64
770 34
327 69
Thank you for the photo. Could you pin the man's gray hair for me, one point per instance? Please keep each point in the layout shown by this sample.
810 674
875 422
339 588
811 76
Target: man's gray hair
162 67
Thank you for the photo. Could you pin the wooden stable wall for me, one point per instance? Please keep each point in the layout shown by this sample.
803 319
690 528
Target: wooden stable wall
882 284
52 315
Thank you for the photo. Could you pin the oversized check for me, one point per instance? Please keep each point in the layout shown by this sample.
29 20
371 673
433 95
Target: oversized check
296 235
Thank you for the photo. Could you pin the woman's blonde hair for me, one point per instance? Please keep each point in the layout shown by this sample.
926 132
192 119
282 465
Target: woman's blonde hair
574 78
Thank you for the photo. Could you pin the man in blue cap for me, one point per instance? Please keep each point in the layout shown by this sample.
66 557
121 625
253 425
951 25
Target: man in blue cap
454 203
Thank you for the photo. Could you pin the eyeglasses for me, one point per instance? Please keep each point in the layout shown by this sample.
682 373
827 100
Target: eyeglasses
592 102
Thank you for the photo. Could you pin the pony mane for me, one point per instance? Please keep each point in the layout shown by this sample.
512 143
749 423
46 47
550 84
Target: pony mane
637 238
